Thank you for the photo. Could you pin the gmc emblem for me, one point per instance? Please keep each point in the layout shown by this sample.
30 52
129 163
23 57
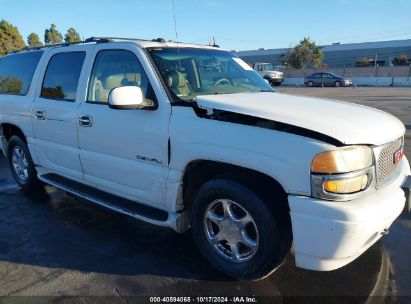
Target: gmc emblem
398 155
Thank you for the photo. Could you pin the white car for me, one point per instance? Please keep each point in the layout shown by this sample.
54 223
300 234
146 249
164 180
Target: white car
187 136
269 72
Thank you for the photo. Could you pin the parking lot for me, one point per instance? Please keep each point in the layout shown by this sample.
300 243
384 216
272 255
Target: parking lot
52 244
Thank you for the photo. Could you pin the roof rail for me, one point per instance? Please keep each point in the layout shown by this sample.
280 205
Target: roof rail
108 39
90 40
40 47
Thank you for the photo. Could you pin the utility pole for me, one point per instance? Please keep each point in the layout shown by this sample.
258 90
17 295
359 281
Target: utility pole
376 66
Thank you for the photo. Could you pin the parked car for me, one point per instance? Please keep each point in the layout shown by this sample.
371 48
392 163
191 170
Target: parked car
327 79
269 72
186 136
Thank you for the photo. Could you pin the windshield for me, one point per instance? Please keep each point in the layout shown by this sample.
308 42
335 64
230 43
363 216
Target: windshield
191 72
269 67
335 75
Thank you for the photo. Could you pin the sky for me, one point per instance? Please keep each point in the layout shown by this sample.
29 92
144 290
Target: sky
235 24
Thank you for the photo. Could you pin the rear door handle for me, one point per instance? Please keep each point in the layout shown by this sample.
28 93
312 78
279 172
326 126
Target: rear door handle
40 115
85 120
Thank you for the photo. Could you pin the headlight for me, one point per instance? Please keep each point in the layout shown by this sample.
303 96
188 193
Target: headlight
343 160
342 174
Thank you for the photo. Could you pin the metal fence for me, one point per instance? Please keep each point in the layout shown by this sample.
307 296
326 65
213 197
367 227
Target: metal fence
395 71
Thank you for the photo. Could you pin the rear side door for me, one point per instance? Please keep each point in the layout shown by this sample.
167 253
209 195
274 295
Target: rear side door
124 152
54 112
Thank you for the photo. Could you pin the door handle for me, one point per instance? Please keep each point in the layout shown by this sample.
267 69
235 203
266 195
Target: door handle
85 120
40 115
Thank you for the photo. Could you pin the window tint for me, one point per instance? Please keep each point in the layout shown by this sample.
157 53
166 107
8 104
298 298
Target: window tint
113 69
62 76
16 72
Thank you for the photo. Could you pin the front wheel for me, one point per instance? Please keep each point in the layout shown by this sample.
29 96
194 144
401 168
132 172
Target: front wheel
310 84
21 164
235 231
337 84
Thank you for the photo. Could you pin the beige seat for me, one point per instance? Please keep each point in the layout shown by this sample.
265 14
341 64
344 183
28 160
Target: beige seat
105 85
177 82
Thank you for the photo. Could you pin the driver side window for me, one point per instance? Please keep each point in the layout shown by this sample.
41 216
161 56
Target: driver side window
113 69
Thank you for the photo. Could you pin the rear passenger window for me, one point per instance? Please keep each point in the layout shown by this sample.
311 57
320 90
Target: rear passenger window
16 72
62 76
113 69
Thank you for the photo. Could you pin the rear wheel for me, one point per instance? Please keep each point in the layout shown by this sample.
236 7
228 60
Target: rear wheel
236 232
21 164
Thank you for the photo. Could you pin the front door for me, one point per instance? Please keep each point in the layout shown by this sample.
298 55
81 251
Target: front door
124 152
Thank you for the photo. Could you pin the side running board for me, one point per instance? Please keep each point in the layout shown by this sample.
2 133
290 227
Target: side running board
113 202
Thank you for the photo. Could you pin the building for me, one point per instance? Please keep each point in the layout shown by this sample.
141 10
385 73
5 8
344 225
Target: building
340 55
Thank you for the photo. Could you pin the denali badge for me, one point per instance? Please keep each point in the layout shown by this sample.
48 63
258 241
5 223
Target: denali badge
398 155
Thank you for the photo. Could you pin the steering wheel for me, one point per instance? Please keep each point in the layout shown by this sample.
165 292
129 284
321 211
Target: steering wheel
222 81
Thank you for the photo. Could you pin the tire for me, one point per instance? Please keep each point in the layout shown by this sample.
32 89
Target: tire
277 84
264 249
22 167
337 84
310 84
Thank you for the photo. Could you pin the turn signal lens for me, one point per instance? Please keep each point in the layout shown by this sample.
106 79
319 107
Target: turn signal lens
347 159
346 186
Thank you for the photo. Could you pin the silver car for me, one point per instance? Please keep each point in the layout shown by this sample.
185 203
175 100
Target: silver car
326 79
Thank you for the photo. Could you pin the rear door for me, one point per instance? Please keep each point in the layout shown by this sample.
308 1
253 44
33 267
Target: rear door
55 111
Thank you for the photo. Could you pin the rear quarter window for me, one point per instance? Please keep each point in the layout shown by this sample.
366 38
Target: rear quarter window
16 72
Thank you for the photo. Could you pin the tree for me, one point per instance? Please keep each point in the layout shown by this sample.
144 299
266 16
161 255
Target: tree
34 40
401 60
305 54
10 38
52 35
72 36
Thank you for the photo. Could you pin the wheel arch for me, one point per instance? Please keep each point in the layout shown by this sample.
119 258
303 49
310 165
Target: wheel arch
7 130
198 172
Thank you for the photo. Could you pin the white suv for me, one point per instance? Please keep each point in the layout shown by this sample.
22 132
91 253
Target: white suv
183 136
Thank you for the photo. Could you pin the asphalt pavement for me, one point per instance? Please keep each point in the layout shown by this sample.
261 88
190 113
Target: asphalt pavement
55 245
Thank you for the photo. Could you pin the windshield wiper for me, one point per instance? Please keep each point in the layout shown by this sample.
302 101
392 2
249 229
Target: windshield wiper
264 91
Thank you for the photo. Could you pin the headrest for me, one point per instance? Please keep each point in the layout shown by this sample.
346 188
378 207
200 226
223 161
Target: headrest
175 79
112 81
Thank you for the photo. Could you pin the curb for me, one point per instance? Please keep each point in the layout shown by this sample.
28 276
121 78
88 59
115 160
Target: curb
384 288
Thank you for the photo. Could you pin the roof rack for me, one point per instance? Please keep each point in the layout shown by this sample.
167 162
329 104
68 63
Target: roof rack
90 40
40 47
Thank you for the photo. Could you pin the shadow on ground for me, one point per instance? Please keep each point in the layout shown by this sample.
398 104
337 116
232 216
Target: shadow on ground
52 244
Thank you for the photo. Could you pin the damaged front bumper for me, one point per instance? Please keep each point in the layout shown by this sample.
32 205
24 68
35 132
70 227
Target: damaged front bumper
328 234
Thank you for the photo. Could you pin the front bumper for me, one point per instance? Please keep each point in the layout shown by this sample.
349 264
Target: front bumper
406 186
328 235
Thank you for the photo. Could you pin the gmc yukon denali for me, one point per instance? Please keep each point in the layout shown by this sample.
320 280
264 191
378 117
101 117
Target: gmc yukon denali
187 136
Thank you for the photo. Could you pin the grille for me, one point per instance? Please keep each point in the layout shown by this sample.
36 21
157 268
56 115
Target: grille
386 167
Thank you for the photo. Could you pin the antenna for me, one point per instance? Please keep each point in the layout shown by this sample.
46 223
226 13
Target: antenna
175 21
175 29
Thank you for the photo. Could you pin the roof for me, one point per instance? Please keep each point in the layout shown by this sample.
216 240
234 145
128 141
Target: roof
335 47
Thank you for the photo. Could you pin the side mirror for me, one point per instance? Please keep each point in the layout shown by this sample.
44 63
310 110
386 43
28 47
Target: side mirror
129 98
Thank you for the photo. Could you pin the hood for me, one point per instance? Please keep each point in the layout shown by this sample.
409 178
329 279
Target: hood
346 122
